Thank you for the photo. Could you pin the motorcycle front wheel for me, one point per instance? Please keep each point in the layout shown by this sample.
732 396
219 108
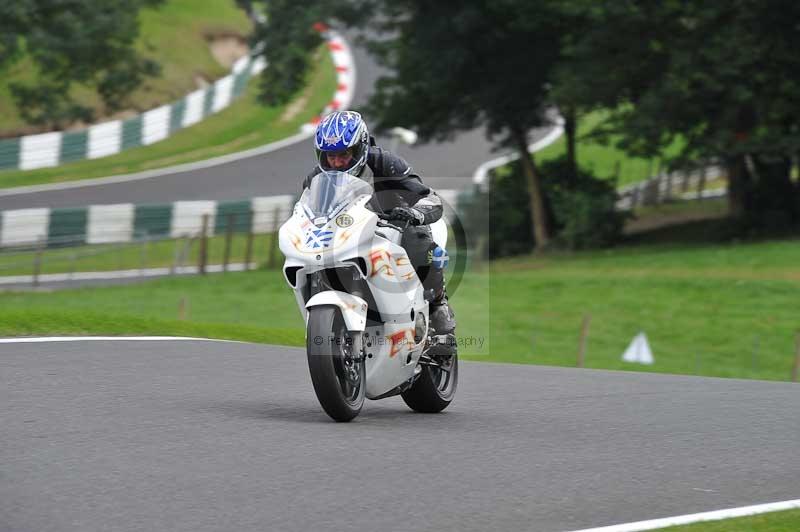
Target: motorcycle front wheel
435 388
337 371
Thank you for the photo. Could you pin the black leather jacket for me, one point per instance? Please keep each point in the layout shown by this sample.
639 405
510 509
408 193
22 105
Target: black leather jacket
396 185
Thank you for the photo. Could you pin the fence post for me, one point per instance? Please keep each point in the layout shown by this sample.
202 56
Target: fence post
37 260
248 251
685 182
73 265
175 256
203 255
701 183
231 220
143 255
587 321
796 368
274 242
183 307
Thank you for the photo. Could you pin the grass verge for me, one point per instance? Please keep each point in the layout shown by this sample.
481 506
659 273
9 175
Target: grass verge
154 254
787 521
726 310
245 124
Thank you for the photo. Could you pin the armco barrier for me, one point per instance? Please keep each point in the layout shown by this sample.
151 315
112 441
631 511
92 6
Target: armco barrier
109 138
106 224
126 222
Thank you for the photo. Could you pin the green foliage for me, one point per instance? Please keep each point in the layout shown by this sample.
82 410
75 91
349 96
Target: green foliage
582 209
720 76
176 34
458 66
73 42
454 67
290 32
288 37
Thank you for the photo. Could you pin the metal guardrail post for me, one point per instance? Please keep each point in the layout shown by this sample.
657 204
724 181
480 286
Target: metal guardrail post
587 321
143 255
37 261
229 222
248 252
276 220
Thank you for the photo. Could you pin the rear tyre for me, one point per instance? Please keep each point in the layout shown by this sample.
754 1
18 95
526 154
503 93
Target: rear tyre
435 388
337 371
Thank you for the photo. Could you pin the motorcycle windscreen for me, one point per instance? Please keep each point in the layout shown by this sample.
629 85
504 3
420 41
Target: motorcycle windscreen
328 192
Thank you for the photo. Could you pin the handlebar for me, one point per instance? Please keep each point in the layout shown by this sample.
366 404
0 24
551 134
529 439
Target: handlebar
386 222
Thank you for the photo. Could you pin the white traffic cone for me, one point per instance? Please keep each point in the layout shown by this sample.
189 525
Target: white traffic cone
639 351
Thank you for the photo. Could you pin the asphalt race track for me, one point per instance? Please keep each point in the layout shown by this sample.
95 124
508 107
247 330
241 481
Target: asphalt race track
444 165
199 436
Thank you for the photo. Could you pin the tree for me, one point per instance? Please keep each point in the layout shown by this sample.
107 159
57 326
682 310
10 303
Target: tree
720 76
72 41
458 66
288 35
451 67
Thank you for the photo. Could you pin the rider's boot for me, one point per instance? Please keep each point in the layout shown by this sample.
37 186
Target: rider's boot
443 323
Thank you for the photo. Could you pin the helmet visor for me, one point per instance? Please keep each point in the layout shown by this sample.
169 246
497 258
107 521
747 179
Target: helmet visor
350 160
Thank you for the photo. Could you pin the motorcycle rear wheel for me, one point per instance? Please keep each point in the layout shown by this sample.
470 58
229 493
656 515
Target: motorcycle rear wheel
435 388
337 372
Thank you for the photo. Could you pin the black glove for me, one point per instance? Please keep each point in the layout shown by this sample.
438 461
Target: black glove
407 214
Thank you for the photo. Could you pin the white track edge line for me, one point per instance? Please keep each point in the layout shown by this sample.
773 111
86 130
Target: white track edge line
716 515
44 339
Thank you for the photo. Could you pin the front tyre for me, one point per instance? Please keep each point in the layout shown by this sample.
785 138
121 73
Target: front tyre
435 388
337 371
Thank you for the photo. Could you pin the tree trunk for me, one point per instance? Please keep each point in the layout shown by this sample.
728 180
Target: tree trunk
540 227
739 185
570 131
761 190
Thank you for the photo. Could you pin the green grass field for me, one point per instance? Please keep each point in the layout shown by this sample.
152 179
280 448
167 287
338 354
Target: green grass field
174 34
788 521
725 310
133 255
245 124
603 159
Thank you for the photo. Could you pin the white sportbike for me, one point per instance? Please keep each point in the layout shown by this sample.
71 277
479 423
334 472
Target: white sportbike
367 333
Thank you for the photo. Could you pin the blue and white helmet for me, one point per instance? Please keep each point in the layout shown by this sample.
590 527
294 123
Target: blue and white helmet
342 131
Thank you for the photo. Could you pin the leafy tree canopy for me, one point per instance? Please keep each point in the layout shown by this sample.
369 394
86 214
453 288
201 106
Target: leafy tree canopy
723 76
72 41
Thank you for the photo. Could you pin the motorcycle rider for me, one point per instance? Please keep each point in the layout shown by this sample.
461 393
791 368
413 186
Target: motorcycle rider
343 143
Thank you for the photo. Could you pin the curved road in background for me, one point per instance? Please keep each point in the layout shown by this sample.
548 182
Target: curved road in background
447 165
196 436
